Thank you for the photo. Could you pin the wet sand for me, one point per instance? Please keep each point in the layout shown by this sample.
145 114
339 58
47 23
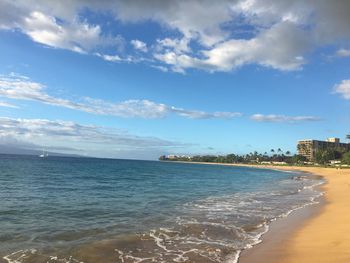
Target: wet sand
270 250
317 234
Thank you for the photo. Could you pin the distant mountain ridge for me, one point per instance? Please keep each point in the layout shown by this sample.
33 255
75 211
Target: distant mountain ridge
8 149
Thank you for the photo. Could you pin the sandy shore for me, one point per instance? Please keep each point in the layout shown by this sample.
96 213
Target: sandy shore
314 235
326 236
317 234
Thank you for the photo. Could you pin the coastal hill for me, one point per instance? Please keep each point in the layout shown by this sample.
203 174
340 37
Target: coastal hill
6 149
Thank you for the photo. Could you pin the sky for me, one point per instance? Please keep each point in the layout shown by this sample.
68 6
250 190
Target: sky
138 79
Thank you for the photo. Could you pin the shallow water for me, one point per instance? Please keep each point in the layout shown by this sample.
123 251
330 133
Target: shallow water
101 210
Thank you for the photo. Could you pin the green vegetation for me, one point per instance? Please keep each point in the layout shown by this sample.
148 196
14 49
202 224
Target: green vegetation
346 158
327 155
253 157
331 155
323 157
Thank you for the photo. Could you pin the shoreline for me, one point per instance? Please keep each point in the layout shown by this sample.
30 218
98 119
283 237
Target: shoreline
272 248
323 237
313 234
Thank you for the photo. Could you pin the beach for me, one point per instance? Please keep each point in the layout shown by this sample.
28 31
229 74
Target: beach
313 235
174 131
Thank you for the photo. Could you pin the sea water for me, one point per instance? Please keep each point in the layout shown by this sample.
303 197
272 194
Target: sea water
60 209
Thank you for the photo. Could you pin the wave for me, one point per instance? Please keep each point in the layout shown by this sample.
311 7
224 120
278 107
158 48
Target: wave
212 230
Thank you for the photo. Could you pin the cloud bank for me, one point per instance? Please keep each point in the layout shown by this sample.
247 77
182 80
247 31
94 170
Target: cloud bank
201 35
19 87
68 137
22 88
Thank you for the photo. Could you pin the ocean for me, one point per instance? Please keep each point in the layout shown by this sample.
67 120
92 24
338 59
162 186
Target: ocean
61 209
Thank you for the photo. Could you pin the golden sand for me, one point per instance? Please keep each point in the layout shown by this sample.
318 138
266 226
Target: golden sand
323 238
326 237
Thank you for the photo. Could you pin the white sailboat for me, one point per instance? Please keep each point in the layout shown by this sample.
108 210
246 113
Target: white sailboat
44 154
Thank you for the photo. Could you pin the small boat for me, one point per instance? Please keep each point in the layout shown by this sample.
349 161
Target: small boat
44 154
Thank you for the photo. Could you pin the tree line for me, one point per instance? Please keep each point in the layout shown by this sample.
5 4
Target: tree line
326 155
274 156
321 157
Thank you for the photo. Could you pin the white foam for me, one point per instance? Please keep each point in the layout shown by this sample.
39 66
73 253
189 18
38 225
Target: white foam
159 241
218 215
312 202
233 258
22 255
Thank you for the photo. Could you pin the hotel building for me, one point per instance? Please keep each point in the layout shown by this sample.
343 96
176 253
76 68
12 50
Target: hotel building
308 148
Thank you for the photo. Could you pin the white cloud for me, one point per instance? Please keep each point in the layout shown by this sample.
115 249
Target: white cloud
22 88
343 52
111 58
205 115
283 118
195 19
139 45
129 108
117 58
278 34
161 68
343 88
289 44
177 45
70 136
288 41
282 33
45 28
7 105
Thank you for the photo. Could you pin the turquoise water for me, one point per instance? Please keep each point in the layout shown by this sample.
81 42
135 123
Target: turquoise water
59 209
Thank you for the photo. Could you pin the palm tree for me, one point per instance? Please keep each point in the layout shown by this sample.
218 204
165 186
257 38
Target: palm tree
287 152
301 147
272 150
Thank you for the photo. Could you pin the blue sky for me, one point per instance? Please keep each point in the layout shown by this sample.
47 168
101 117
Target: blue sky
136 79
